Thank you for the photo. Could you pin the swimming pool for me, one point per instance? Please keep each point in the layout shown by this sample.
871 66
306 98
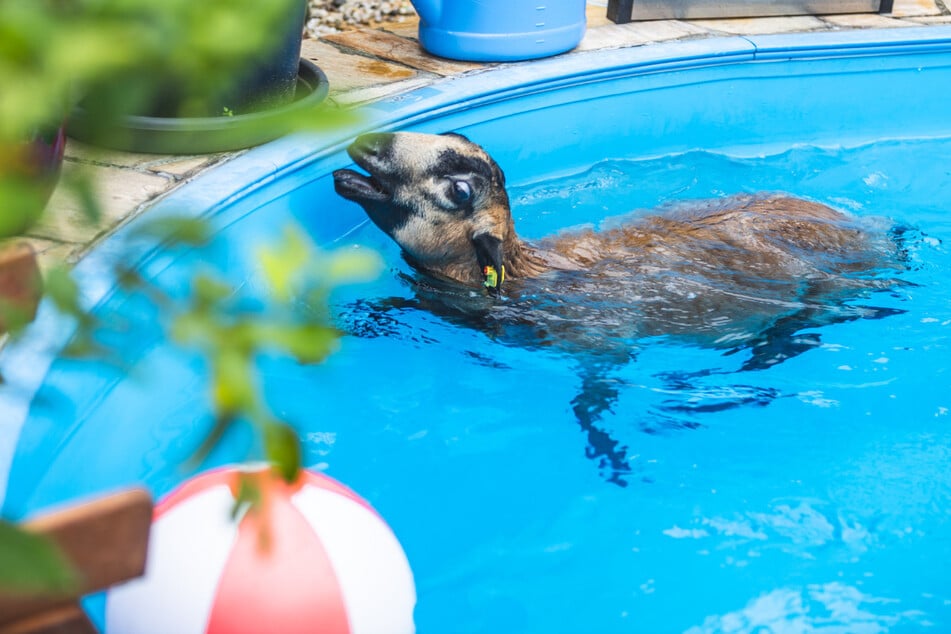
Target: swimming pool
813 494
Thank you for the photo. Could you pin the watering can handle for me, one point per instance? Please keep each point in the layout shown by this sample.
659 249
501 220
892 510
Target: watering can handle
429 10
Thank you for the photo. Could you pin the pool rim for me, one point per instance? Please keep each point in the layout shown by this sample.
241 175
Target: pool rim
224 185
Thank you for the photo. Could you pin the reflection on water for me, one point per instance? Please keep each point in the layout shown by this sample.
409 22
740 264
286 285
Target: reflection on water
829 608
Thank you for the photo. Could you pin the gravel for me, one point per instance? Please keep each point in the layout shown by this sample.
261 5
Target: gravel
331 16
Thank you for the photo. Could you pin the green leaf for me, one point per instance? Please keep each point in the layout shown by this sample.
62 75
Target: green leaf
80 183
222 423
182 230
193 328
208 291
233 383
308 343
63 290
32 564
352 266
283 263
282 449
22 199
14 317
248 495
84 346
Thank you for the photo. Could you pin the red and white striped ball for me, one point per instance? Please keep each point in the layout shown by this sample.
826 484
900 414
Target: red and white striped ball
312 557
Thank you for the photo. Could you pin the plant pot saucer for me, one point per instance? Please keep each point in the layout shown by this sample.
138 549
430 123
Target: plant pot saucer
203 135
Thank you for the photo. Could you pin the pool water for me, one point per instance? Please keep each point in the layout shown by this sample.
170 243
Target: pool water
812 494
807 494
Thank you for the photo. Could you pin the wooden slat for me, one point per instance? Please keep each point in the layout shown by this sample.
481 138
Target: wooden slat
106 540
67 619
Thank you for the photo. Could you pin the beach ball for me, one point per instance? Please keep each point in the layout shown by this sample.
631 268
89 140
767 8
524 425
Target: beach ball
311 556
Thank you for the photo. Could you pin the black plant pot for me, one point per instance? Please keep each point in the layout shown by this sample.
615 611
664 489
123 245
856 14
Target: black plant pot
47 154
253 110
273 83
29 172
267 84
204 135
36 165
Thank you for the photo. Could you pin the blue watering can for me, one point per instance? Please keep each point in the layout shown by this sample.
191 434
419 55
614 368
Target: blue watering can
499 30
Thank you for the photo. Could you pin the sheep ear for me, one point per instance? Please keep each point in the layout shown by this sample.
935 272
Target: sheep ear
498 176
491 259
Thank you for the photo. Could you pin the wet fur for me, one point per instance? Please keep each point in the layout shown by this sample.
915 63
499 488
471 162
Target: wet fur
745 272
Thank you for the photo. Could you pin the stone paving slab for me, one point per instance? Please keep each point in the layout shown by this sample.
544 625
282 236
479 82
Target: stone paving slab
82 152
176 167
407 28
596 13
908 8
931 19
865 21
182 167
763 26
638 33
392 47
361 96
50 253
122 192
347 70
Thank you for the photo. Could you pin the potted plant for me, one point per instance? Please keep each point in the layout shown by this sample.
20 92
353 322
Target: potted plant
251 88
28 173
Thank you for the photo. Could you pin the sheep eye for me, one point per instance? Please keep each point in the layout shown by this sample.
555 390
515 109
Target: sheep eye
461 191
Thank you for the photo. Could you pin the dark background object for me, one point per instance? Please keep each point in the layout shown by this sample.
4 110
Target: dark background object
622 11
203 135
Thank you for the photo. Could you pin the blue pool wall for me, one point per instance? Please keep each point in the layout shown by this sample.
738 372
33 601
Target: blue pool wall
737 95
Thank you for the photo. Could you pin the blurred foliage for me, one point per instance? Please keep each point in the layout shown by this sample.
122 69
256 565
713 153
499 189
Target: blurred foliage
121 57
232 333
126 52
116 57
32 563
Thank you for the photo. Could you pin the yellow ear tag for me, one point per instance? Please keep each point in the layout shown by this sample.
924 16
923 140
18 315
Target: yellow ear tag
492 277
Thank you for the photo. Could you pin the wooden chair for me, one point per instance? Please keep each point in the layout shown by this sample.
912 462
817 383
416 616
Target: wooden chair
106 541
